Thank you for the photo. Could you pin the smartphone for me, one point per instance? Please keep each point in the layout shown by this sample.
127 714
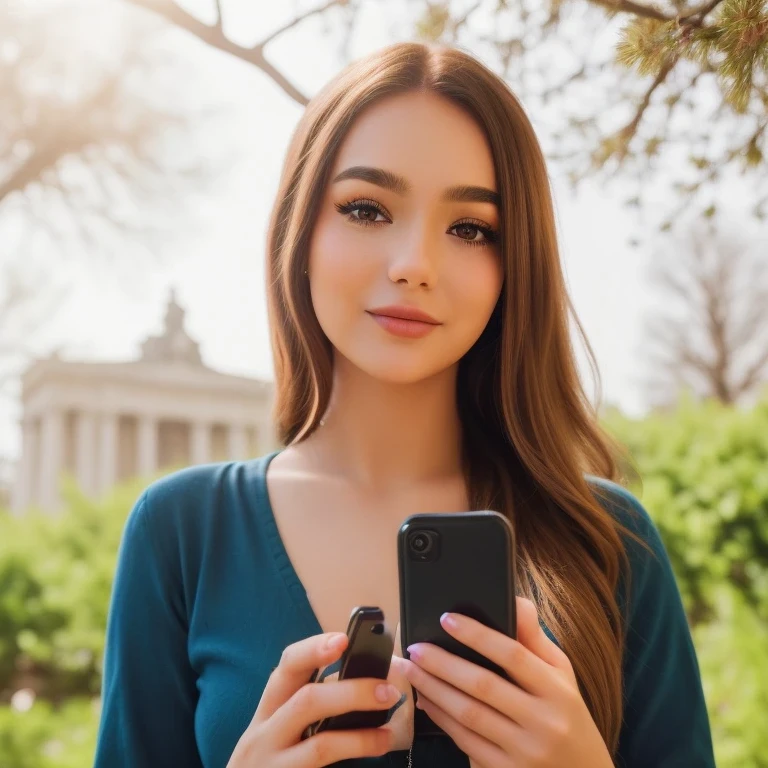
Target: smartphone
461 562
368 654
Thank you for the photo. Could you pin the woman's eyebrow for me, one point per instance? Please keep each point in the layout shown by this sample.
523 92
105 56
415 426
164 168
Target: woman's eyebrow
395 183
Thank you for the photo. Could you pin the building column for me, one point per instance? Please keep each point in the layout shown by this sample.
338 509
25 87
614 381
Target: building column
85 452
237 442
200 450
108 436
25 488
147 445
51 458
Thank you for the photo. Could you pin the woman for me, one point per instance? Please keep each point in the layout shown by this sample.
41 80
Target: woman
423 363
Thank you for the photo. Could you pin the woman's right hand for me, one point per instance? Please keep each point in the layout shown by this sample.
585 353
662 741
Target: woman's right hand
289 704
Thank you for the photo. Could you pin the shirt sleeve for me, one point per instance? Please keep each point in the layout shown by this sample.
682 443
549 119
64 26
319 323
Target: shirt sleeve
149 692
665 716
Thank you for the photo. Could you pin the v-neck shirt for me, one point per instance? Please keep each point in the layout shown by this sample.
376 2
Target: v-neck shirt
205 599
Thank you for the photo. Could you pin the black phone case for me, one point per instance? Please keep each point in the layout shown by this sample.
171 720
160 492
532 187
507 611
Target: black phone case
471 573
368 654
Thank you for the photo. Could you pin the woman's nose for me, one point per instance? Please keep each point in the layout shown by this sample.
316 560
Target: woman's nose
415 262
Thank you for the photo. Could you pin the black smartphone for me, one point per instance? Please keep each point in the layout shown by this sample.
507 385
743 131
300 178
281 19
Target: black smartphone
368 654
460 562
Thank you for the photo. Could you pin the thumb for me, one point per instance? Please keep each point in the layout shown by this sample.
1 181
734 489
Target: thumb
401 723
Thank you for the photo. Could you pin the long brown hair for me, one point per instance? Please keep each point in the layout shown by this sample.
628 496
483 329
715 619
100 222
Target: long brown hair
530 432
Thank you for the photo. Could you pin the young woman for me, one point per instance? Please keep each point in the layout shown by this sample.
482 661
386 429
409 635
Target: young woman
423 363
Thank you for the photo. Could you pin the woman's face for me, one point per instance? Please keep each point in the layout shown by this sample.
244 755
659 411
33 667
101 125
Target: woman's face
407 223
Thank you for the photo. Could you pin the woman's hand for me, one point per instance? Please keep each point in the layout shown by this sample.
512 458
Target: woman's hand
290 703
539 720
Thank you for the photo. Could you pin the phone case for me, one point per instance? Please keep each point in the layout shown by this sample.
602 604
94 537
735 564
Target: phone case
467 566
368 654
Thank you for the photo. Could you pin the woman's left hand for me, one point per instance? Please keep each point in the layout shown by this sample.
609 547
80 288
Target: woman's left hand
539 720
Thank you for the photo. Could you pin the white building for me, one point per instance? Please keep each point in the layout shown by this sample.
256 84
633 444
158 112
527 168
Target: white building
107 422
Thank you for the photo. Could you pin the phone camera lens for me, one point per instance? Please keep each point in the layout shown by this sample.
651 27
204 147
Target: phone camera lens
377 629
421 543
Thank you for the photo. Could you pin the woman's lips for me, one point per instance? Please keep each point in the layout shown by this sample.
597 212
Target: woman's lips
398 326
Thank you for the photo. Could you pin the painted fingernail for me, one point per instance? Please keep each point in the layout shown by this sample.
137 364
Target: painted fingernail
386 693
449 620
336 642
415 651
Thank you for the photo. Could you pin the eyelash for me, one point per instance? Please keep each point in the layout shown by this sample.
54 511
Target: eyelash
346 209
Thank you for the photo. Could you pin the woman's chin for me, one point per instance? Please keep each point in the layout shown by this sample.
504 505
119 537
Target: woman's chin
400 371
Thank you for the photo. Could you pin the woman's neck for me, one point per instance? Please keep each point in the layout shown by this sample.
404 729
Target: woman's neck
379 434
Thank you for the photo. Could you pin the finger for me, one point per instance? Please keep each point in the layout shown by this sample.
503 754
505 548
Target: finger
479 750
472 713
316 701
331 747
396 675
526 669
476 682
398 642
401 722
533 637
297 664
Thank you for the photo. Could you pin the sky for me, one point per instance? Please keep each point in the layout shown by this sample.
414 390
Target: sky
214 259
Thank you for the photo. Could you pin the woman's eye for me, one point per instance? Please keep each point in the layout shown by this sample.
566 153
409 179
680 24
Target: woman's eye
474 234
367 213
362 212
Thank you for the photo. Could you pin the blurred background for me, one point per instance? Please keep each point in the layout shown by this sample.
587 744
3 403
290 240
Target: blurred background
140 149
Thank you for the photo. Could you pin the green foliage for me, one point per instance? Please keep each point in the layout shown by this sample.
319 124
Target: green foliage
704 470
734 667
734 44
432 25
646 44
55 578
49 737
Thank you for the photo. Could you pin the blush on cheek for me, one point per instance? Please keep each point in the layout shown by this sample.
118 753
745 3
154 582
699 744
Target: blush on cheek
346 265
476 291
336 250
343 281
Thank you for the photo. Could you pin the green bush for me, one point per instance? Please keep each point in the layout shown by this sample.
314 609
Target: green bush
48 736
734 667
55 578
704 471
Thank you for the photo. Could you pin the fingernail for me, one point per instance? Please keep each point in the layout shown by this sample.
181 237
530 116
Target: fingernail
385 693
336 642
449 620
415 651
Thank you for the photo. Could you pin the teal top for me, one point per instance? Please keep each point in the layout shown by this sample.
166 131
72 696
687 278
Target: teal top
205 599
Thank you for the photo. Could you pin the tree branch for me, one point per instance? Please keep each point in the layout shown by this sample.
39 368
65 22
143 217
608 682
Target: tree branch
753 374
43 157
214 36
629 131
638 9
67 135
460 21
294 22
696 16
